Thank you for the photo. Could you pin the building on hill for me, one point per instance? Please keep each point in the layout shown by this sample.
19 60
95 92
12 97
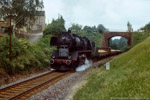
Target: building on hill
39 23
2 24
33 26
5 24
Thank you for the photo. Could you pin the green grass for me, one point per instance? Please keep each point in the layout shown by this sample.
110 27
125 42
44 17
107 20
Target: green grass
128 77
138 37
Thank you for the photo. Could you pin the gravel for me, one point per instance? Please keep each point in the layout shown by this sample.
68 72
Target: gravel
59 90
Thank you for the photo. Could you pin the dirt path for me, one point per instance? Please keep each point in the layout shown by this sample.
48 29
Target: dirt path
34 37
31 37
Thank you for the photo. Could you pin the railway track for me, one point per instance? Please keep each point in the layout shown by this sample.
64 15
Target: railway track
27 88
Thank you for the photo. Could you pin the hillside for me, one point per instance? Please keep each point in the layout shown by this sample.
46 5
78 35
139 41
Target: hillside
138 37
128 77
25 56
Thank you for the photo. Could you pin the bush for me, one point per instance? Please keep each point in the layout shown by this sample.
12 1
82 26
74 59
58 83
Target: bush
55 27
25 56
138 37
44 50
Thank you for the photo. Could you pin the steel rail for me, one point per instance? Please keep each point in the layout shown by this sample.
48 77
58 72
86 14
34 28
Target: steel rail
27 88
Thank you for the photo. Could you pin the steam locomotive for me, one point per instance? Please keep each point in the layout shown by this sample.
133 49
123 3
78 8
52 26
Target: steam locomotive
72 50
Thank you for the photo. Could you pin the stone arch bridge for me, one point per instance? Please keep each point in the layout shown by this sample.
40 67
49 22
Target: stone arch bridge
108 35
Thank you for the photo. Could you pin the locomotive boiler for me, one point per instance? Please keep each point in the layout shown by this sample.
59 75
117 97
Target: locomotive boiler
72 50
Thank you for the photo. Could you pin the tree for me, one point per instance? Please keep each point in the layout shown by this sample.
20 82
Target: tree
94 29
123 44
129 27
113 43
101 28
20 10
120 44
87 28
90 29
56 27
146 28
76 27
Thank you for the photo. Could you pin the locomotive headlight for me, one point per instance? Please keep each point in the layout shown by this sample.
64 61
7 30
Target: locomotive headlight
69 57
68 62
63 38
52 61
53 56
83 55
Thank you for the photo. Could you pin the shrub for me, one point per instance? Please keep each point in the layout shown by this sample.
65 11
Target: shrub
138 37
25 56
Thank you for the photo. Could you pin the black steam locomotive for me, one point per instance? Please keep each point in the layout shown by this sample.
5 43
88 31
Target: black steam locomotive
72 50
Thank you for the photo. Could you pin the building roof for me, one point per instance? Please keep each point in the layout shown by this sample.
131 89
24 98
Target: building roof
40 13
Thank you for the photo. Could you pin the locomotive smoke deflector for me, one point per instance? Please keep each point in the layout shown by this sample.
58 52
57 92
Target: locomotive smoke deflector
53 41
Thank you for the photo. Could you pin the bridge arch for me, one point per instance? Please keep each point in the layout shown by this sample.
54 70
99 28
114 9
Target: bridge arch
108 35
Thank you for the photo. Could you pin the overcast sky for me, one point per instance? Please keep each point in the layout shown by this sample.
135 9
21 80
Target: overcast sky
113 14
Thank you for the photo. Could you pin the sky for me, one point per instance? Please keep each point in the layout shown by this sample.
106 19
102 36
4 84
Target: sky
113 14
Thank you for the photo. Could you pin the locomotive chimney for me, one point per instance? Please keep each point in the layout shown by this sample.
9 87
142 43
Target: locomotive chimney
69 31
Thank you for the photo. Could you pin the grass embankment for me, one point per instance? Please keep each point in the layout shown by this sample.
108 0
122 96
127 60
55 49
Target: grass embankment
128 77
138 37
25 56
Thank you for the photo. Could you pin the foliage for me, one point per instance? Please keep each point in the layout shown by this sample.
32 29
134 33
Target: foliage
94 29
96 37
56 27
128 77
87 28
101 28
20 10
138 37
119 44
89 32
43 50
90 29
129 26
76 27
146 28
25 56
19 50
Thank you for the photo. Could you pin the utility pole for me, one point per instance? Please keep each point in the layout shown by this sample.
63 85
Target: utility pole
10 29
10 58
